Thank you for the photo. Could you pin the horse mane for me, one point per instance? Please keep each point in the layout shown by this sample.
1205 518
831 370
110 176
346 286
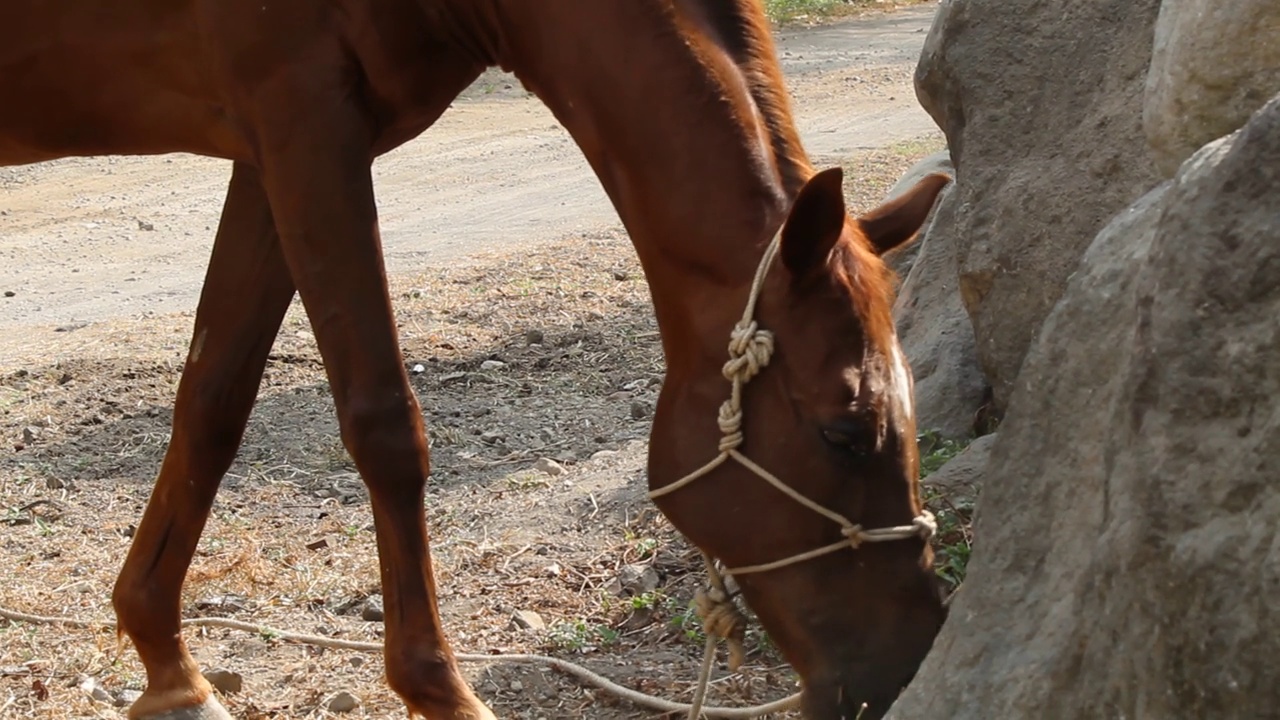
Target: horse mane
744 33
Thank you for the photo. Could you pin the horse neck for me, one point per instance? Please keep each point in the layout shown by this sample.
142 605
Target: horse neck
700 172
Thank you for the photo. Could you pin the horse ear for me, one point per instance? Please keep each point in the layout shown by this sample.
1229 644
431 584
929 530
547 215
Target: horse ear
894 223
814 223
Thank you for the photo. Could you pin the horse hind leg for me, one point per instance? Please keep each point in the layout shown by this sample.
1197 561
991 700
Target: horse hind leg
246 292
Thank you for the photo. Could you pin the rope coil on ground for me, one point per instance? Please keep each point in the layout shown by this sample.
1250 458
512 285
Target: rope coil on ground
578 671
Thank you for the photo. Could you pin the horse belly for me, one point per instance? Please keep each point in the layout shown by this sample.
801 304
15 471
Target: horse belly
67 91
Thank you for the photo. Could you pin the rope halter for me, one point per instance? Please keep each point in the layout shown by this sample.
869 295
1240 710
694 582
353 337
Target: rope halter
750 348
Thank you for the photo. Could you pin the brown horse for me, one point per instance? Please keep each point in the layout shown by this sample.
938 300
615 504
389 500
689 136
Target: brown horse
680 109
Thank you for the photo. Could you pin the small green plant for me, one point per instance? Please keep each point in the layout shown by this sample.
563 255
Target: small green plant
580 635
936 451
46 530
645 601
685 620
645 547
953 543
784 11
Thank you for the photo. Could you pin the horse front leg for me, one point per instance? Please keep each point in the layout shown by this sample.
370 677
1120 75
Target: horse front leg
319 183
246 292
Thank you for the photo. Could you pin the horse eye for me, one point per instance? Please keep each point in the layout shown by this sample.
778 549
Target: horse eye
849 439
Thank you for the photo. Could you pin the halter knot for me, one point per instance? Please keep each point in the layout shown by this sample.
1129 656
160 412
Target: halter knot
925 524
730 422
854 534
749 351
721 618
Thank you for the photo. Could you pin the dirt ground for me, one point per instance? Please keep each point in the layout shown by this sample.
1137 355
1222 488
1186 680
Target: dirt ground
526 326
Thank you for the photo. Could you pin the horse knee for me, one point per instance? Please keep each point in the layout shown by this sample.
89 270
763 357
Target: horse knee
380 424
380 428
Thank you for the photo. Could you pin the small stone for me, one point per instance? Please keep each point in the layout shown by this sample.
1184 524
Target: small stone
638 580
372 610
127 697
94 690
54 483
603 454
492 437
639 409
145 226
549 466
342 702
534 336
517 686
492 365
356 661
9 293
225 681
320 544
29 434
621 275
223 603
419 368
528 620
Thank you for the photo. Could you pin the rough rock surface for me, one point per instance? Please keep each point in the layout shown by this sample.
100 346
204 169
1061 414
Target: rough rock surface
1127 550
1214 64
936 333
1041 104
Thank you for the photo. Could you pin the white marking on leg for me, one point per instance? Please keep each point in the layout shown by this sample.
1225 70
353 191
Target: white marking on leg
197 346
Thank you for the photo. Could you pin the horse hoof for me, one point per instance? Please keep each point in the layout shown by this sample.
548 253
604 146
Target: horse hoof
210 709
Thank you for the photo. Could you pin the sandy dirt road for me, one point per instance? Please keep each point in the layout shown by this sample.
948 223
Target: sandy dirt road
88 239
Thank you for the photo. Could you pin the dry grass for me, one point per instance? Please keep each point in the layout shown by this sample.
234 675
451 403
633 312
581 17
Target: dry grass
290 542
786 12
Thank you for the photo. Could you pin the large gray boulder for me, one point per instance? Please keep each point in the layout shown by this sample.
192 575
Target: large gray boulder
1041 103
1127 546
1214 64
936 334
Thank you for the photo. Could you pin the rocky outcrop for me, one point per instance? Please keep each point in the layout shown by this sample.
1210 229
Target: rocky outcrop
1041 104
1214 64
936 334
1127 549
